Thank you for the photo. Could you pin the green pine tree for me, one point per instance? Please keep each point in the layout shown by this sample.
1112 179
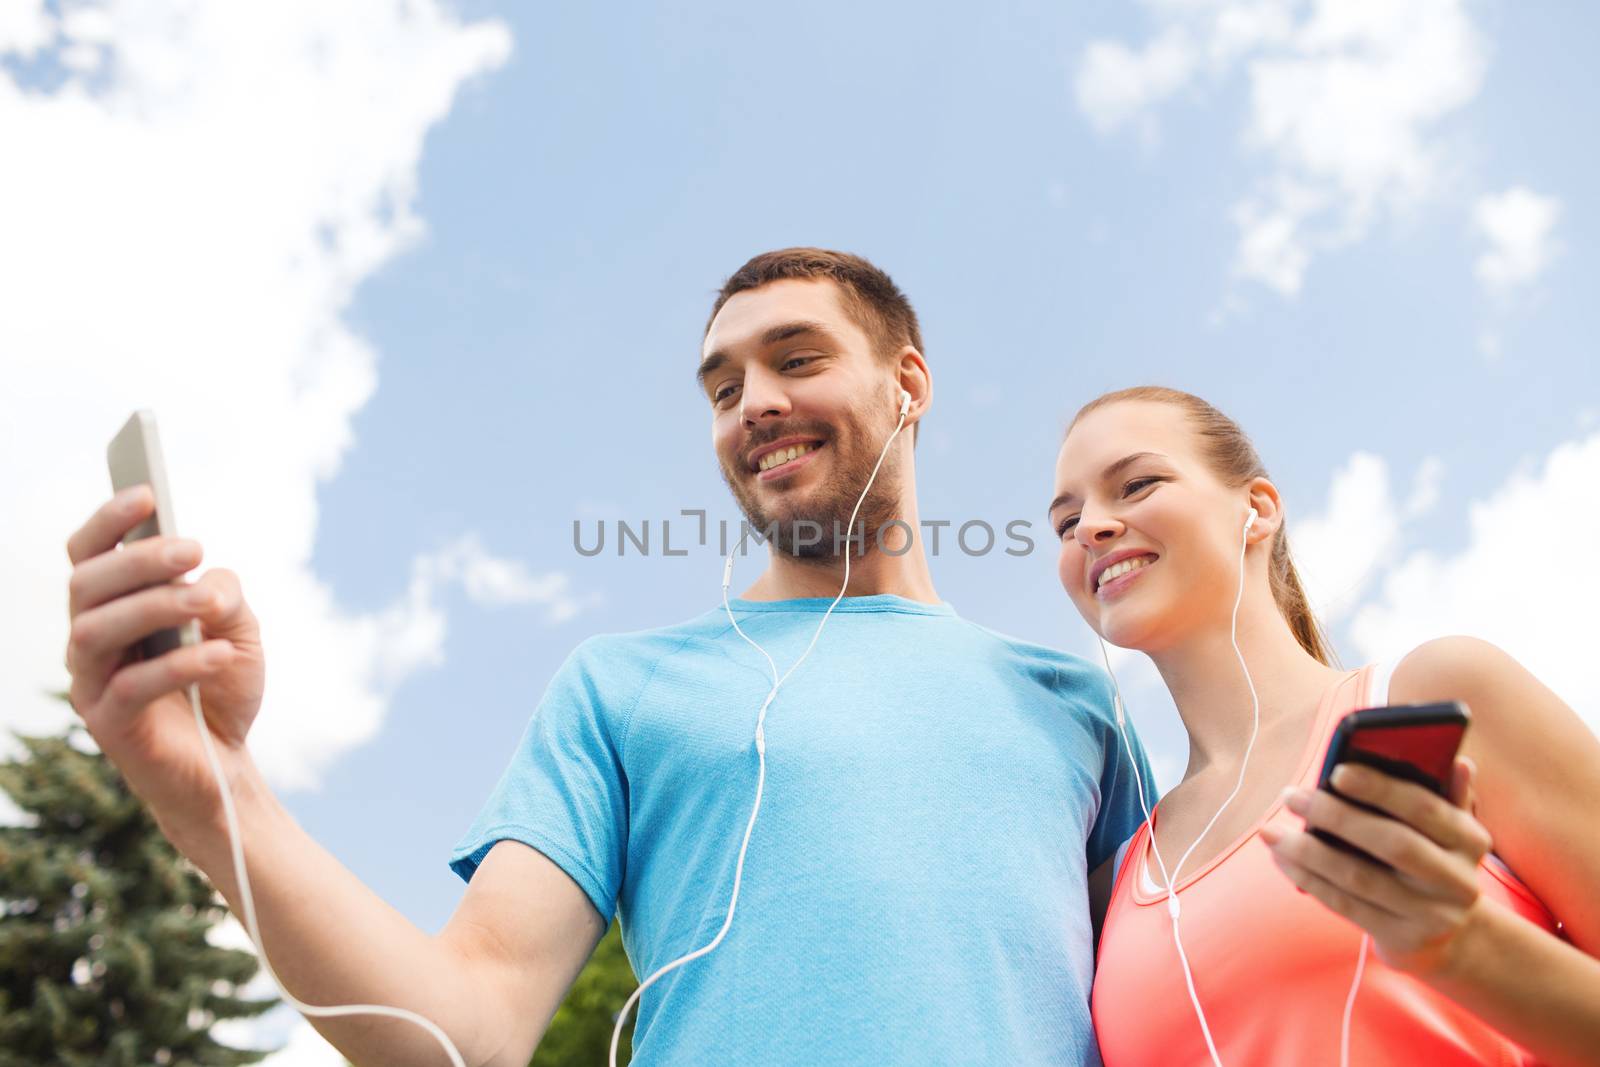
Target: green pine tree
580 1033
104 960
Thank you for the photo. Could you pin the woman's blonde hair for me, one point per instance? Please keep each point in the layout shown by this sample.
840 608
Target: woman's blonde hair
1234 460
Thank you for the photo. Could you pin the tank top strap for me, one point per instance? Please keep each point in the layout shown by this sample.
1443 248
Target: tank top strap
1345 695
1342 695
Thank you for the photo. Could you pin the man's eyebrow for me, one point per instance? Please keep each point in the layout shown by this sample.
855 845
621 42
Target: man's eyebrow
1106 475
776 335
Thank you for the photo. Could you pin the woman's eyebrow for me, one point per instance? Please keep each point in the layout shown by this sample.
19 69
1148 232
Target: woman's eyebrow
1106 475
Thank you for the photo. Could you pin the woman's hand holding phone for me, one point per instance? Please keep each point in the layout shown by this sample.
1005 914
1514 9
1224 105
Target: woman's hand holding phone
138 711
1419 908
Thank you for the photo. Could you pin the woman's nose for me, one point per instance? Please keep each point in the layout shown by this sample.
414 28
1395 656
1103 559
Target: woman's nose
1095 529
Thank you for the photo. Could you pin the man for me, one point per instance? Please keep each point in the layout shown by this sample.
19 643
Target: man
914 890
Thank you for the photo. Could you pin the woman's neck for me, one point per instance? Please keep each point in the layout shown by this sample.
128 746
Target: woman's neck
1213 699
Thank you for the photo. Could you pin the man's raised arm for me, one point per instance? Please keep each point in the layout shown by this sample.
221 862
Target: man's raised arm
490 980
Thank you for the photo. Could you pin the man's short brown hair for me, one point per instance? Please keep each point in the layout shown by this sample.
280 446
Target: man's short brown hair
870 296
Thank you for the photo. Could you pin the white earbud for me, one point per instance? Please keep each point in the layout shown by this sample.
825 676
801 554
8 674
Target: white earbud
905 402
1249 522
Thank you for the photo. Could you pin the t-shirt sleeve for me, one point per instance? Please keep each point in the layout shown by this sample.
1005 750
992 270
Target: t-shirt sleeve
564 791
1120 813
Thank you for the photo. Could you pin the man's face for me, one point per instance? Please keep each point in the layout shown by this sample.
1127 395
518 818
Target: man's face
785 367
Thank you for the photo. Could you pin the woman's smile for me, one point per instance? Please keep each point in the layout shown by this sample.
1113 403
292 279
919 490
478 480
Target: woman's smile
1112 581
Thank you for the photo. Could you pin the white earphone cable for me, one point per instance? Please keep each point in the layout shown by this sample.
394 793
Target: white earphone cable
1350 1002
1173 908
1170 878
250 908
760 735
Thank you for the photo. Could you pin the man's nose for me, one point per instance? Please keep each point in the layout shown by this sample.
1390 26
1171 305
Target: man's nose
762 398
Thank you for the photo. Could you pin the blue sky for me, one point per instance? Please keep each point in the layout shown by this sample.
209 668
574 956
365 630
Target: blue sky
584 203
508 308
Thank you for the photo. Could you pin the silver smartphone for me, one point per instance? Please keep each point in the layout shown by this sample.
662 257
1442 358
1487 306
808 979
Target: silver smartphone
134 457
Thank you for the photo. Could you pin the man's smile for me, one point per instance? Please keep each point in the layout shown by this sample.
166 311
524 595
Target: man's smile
781 456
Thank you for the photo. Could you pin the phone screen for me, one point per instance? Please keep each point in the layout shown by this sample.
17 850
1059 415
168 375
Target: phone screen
1422 753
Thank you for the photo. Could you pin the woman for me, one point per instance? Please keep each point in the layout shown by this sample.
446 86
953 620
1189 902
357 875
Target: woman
1469 963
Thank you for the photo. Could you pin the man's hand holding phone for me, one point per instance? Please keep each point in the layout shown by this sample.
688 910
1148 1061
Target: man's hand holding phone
1408 875
137 709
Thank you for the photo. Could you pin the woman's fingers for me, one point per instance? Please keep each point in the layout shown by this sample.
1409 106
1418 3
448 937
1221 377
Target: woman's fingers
1415 908
1287 850
1426 866
1446 824
1413 932
1463 784
1353 876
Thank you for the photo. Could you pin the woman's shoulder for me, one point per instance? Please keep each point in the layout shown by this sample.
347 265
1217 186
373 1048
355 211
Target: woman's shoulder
1456 667
1512 710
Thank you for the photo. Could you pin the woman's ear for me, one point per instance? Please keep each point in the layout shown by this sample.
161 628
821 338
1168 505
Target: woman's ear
1269 510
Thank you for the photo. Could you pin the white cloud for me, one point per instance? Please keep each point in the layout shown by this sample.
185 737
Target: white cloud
1519 226
1116 84
188 208
1338 551
411 631
1342 549
1544 618
494 582
1425 488
25 27
1345 97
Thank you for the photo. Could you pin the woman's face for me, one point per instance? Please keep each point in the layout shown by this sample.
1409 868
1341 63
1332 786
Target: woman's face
1150 538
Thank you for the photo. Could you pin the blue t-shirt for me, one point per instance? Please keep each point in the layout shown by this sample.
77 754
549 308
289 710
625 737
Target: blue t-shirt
915 890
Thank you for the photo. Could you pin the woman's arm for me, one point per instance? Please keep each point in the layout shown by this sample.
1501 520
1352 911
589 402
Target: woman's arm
1537 793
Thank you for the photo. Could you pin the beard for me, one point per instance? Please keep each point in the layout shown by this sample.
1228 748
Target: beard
809 523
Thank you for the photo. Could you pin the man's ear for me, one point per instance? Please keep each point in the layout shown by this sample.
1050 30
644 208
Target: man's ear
911 373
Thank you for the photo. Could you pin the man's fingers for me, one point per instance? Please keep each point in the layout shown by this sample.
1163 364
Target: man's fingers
226 614
137 684
100 638
111 520
111 574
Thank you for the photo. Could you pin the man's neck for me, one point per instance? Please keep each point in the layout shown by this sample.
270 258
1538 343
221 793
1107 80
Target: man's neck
901 570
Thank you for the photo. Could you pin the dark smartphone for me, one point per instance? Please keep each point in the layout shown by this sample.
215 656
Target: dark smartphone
1414 742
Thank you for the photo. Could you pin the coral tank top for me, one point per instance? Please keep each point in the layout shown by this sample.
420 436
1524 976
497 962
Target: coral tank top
1272 966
